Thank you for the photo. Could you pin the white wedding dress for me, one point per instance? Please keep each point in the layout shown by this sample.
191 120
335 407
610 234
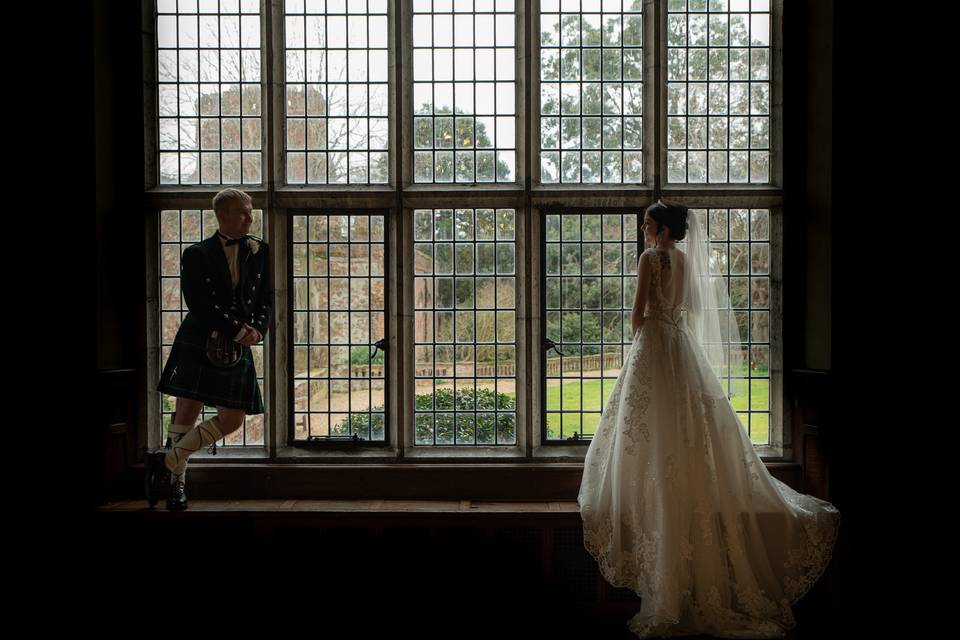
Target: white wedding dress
677 505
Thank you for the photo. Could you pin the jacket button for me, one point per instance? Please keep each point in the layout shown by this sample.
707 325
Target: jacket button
258 275
234 322
208 279
216 306
224 315
253 288
248 301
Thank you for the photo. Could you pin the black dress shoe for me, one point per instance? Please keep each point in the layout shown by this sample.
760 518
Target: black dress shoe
156 476
177 497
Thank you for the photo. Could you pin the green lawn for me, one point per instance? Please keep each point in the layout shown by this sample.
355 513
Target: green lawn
595 392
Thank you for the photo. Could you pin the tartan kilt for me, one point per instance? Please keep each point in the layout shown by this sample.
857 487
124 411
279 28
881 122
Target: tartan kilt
188 374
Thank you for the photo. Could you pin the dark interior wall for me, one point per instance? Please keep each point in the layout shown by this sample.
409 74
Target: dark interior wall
808 182
120 218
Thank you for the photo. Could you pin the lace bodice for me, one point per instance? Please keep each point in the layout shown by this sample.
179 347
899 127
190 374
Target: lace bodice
664 299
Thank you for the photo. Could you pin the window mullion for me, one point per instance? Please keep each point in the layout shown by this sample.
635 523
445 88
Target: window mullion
531 136
272 39
274 360
657 10
776 93
400 139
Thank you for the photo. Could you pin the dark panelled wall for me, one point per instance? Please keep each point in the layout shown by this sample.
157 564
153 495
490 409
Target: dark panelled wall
120 378
808 173
118 112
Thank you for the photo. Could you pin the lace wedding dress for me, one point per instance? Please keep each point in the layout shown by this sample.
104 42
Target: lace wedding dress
677 505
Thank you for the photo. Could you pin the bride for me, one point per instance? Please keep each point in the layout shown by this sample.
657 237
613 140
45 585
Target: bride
675 502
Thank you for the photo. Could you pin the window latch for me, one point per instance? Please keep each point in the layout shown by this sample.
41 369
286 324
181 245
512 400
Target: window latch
550 344
350 438
379 344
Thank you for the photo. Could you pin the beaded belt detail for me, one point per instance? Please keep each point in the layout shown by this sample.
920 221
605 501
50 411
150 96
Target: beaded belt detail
674 319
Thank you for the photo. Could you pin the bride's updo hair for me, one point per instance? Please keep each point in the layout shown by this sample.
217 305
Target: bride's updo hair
673 216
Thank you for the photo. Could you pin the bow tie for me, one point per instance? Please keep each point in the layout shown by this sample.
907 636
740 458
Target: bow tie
232 241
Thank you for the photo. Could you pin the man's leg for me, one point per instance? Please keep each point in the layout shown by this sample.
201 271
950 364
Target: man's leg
204 434
230 419
183 420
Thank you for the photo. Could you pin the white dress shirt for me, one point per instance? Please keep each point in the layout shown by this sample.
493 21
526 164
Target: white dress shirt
232 252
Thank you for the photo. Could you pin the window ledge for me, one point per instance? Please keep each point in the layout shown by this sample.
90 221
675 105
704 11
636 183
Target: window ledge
240 476
560 509
552 454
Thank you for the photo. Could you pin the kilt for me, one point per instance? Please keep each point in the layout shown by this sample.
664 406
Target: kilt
188 373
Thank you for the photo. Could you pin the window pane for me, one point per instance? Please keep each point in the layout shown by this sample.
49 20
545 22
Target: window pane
337 93
464 92
338 306
590 269
589 282
178 230
208 93
591 91
465 345
740 251
718 91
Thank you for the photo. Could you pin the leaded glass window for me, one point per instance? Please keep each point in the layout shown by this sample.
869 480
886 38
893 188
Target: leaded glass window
465 299
464 91
590 279
718 91
208 97
337 91
339 303
591 91
313 137
740 251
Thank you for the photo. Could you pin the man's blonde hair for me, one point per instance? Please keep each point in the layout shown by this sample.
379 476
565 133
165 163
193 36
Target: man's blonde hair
223 198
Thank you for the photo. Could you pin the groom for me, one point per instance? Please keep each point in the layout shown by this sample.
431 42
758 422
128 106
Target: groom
224 280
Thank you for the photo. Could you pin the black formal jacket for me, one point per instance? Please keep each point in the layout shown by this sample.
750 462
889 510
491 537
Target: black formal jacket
208 289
